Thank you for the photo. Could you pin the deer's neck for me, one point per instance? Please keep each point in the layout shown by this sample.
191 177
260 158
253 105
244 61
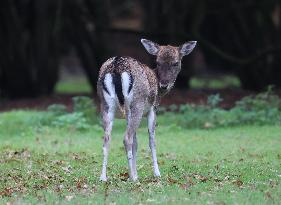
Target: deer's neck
161 92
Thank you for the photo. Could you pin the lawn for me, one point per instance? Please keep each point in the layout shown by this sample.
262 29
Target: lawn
73 85
52 165
81 85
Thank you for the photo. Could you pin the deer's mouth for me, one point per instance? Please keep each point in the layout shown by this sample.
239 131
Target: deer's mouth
164 86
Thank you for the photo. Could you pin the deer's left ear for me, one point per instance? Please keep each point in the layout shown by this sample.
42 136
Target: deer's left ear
150 46
187 47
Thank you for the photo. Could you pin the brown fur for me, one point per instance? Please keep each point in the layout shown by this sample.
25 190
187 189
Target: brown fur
129 89
148 82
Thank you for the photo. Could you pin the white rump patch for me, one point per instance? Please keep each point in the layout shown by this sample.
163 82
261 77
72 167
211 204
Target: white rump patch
109 85
126 81
111 97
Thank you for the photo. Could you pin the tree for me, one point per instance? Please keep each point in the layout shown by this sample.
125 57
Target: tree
244 37
29 41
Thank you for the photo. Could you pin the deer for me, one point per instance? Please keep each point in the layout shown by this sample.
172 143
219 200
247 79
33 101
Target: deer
129 89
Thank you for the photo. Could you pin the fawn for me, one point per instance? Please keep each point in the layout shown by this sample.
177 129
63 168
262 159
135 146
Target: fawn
130 89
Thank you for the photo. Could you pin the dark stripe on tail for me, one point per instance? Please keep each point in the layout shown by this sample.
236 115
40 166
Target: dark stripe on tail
118 87
104 87
131 83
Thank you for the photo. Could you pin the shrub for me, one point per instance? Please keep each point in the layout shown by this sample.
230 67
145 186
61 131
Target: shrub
57 109
81 118
86 106
262 109
214 100
71 120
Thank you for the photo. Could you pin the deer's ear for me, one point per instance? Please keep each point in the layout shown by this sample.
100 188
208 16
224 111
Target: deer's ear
150 46
187 47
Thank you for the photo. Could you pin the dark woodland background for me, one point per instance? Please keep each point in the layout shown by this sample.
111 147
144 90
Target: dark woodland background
242 37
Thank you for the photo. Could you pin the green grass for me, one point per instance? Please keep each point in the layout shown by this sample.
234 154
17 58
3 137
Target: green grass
219 82
48 165
73 85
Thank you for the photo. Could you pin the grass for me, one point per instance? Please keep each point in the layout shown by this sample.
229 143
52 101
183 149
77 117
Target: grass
48 165
73 85
81 85
220 82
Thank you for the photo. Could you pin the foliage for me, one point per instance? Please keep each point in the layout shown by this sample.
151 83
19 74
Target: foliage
215 82
86 106
76 119
57 109
262 109
214 100
83 115
51 165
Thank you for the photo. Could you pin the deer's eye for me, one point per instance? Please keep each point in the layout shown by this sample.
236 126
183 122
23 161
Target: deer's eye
175 64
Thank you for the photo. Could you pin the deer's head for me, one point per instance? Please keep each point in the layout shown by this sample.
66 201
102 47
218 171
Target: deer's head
168 60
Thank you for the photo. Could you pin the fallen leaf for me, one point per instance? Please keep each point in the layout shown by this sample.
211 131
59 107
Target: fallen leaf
69 198
217 179
6 192
172 181
171 156
124 176
60 187
208 125
76 157
268 195
200 177
67 169
273 183
185 186
226 177
237 182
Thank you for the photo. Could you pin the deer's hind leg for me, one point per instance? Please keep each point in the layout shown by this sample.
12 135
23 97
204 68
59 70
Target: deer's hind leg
107 118
134 117
108 107
135 150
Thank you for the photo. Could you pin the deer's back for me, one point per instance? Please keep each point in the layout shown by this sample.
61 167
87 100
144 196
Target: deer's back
141 80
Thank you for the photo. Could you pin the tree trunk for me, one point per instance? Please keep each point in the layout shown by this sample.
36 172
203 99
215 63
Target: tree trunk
29 48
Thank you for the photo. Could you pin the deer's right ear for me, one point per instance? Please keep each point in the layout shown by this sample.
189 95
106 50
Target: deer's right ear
186 48
150 46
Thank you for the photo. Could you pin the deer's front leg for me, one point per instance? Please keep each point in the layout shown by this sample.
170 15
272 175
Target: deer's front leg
130 142
151 132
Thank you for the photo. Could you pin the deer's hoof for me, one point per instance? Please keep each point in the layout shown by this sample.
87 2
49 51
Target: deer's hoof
134 179
103 178
157 174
